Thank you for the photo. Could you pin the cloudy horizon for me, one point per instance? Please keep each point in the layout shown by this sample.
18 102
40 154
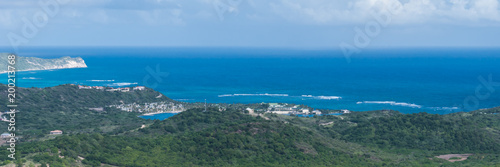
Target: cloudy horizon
251 23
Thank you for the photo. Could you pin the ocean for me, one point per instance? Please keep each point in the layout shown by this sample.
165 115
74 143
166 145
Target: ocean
433 80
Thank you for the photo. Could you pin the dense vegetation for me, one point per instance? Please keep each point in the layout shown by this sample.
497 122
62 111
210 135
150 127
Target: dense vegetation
427 132
235 138
232 138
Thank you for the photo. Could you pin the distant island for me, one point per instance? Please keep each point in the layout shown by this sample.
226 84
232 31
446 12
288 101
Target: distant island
34 63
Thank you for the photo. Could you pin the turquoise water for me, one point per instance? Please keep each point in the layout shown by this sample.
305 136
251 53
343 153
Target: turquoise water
312 115
161 116
409 80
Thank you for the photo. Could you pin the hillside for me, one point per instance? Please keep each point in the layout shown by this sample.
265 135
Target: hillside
66 107
233 137
34 63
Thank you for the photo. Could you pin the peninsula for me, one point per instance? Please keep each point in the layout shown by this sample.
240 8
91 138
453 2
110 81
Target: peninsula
34 63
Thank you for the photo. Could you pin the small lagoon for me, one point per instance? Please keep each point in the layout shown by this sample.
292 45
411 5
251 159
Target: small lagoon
160 116
312 115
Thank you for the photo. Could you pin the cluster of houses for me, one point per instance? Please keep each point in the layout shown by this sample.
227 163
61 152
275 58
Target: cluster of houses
284 108
167 107
110 89
288 109
5 135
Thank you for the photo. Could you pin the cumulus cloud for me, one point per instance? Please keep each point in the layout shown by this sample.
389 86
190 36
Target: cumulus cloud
411 11
309 12
178 12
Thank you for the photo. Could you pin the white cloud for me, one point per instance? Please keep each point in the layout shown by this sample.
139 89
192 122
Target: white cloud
322 12
413 11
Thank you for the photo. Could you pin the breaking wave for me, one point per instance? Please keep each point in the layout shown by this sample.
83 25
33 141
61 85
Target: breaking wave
444 108
122 84
323 97
101 80
391 103
30 78
261 94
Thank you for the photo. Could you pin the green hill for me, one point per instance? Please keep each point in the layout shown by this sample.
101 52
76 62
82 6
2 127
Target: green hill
66 107
232 137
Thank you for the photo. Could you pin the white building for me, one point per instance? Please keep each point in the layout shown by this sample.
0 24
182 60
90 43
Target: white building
346 111
280 112
84 87
56 132
139 88
5 135
317 112
124 89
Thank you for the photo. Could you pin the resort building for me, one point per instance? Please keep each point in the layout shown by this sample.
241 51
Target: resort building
317 112
139 88
112 90
56 132
99 87
281 112
5 135
84 87
124 89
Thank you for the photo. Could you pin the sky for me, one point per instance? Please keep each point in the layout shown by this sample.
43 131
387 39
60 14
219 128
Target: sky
251 23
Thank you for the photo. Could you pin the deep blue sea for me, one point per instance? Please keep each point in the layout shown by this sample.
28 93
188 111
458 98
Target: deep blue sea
433 80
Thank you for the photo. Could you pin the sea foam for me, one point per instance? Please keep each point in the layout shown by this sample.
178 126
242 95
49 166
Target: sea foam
30 78
122 84
261 94
323 97
444 108
391 103
101 80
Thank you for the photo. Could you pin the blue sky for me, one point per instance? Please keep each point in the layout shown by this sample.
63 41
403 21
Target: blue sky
251 23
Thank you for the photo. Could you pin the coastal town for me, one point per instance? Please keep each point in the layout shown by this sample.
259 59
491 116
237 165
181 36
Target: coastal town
112 89
172 107
290 109
151 108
